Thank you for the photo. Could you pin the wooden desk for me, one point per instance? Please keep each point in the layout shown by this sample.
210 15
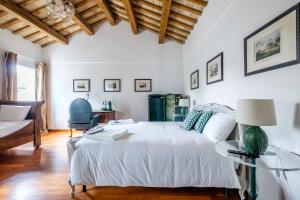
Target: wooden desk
105 116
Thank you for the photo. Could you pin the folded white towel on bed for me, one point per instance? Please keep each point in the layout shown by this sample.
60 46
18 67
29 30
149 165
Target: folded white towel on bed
108 135
121 121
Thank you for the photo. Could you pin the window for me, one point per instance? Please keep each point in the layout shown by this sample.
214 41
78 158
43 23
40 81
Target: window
26 82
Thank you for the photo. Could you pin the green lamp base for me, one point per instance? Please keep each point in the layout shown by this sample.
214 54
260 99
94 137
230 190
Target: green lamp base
255 140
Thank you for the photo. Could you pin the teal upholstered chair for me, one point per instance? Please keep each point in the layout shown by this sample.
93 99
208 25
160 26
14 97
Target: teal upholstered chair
81 116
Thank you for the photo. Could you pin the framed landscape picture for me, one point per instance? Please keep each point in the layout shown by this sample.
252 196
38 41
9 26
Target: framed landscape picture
214 69
81 85
275 45
142 85
195 80
112 85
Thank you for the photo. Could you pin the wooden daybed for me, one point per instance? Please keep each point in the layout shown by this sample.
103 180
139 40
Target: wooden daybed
31 132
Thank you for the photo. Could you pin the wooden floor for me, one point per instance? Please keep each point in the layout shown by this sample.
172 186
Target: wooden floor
26 174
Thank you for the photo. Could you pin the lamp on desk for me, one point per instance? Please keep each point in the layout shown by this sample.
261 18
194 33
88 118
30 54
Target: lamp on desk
254 113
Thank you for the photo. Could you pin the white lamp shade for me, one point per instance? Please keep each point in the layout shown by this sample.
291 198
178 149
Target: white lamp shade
256 112
184 102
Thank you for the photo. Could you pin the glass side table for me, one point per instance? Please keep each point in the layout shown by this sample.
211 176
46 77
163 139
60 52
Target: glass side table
274 158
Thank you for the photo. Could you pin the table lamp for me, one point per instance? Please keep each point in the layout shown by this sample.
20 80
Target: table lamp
184 104
254 113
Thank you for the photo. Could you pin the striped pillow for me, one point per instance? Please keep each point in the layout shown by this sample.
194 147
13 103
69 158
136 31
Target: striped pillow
203 119
191 119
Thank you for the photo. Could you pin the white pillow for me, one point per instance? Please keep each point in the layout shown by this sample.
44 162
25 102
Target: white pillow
219 127
13 112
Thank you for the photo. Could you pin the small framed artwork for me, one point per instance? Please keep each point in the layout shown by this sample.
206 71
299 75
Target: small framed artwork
275 45
112 85
195 80
81 85
214 69
142 85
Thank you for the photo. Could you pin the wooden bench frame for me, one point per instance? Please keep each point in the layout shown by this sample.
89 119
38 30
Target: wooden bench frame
31 132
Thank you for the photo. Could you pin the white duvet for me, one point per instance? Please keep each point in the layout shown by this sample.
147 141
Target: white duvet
156 154
9 127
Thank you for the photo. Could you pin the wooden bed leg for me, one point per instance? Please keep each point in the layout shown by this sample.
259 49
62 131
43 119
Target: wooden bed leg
84 188
72 189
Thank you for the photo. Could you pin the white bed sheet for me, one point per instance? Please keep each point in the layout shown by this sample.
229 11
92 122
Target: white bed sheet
157 154
9 127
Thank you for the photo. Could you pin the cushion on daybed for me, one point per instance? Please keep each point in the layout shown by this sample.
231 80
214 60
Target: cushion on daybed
13 112
9 127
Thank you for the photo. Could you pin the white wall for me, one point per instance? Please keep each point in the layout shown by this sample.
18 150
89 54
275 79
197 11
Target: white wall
223 27
16 44
113 52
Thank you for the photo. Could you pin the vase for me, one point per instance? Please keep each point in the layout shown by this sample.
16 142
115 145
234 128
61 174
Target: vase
255 140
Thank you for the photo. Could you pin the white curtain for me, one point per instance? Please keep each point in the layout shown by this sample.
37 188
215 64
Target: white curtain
41 91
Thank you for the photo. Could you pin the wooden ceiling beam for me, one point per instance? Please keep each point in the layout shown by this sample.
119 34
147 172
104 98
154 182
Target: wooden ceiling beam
91 9
142 19
107 11
84 25
152 28
74 33
2 13
173 14
166 7
101 15
98 22
131 17
82 3
26 3
26 17
173 22
20 30
40 39
9 23
49 43
199 2
187 8
156 22
32 35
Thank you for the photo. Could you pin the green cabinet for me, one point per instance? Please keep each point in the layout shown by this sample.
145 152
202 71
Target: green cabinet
175 112
156 107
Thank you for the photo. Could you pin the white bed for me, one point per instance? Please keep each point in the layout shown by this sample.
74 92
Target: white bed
157 154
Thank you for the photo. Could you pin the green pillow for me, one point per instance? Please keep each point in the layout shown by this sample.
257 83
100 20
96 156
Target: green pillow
191 119
203 119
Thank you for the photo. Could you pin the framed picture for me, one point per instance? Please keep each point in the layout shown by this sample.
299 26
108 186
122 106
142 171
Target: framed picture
142 85
214 69
112 85
81 85
275 45
195 80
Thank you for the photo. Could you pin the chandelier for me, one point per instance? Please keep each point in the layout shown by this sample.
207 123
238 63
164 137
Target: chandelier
60 9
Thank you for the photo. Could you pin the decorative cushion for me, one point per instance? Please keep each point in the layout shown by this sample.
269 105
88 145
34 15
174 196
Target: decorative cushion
191 119
13 112
219 127
199 126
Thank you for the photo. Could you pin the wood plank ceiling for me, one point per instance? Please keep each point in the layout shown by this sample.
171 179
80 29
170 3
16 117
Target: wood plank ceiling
170 19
